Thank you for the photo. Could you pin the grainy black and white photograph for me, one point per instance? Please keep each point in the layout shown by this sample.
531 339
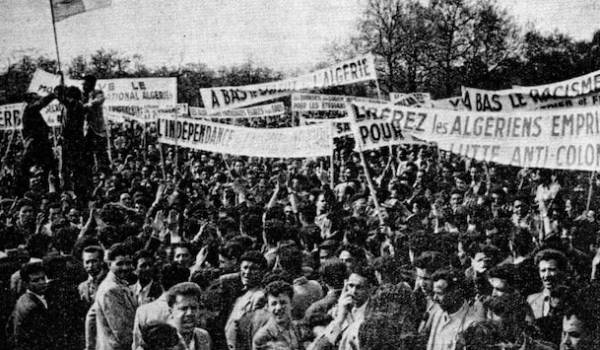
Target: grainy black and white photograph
299 175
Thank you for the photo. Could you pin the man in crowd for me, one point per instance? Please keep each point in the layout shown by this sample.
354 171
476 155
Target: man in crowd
96 133
115 304
93 262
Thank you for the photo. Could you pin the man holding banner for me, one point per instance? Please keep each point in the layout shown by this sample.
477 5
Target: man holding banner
37 145
95 137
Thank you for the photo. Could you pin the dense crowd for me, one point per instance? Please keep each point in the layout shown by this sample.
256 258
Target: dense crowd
142 246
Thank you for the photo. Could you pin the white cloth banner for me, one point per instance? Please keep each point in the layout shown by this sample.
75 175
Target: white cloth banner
578 86
11 116
295 142
549 138
413 99
352 71
43 83
316 102
250 112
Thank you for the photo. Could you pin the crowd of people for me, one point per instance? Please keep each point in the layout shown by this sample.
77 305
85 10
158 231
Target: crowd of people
154 247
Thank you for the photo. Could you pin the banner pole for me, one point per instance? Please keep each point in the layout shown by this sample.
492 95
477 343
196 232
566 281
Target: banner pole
589 198
62 78
332 167
371 186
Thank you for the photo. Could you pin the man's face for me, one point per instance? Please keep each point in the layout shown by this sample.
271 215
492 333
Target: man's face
26 215
358 288
125 200
347 259
122 266
549 273
321 204
250 273
324 255
92 263
499 287
184 313
456 200
182 256
518 208
574 335
54 214
145 269
481 262
360 207
445 297
74 217
281 308
38 282
226 263
423 281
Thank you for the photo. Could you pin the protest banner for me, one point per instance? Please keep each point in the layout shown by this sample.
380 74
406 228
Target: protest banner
302 102
373 130
548 138
267 110
413 99
43 83
294 142
351 71
577 86
183 109
11 116
52 114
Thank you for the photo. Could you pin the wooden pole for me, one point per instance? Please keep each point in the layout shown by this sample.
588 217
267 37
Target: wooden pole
589 199
371 187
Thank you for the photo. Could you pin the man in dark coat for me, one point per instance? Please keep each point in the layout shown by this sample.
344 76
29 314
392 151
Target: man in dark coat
27 328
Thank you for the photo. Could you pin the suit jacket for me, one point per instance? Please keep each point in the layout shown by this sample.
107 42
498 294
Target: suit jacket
158 310
28 325
536 301
271 335
115 308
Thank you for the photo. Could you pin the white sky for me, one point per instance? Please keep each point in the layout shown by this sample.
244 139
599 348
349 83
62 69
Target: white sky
282 34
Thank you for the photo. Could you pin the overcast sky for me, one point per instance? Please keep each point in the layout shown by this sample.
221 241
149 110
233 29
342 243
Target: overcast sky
282 34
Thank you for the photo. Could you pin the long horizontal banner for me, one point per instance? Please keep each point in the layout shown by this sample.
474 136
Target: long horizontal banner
296 142
551 138
577 86
250 112
352 71
507 100
317 103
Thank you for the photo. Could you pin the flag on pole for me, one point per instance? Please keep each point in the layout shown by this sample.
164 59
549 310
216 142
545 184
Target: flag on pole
67 8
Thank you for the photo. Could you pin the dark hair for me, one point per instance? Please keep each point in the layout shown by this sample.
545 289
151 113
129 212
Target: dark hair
430 261
276 288
94 249
182 245
118 249
391 269
65 237
29 269
552 254
143 254
231 250
507 305
505 272
378 333
365 271
187 289
333 273
159 335
481 335
290 259
172 274
273 231
452 276
522 242
90 78
489 250
396 300
256 257
74 93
